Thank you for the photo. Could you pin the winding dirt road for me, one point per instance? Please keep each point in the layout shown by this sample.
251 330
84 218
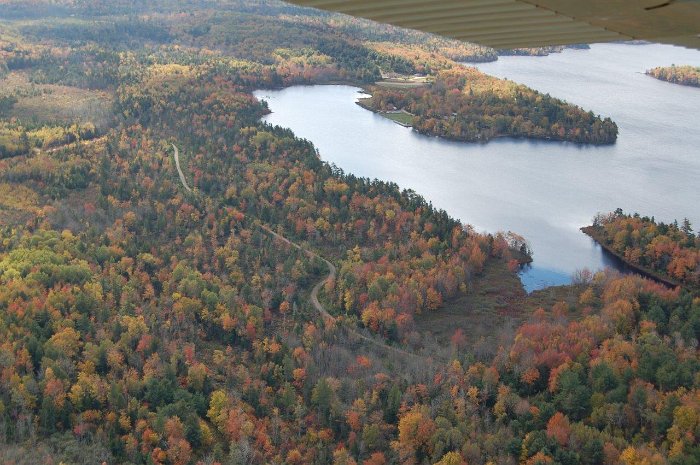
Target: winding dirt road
179 171
327 317
332 271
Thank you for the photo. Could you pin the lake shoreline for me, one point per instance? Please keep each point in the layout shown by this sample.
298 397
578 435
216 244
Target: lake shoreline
481 138
688 76
359 103
593 233
523 184
366 88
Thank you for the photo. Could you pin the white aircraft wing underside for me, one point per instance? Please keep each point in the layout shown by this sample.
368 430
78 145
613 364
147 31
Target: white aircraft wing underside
534 23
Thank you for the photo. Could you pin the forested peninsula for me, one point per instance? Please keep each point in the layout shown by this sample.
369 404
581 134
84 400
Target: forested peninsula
683 75
467 105
669 253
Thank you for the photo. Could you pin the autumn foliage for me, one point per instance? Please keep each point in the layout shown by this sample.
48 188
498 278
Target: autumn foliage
684 75
671 250
142 323
465 104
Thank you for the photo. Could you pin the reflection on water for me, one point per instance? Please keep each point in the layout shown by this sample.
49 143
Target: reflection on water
543 190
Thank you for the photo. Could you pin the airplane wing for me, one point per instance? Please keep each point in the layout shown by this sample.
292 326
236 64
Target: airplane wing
534 23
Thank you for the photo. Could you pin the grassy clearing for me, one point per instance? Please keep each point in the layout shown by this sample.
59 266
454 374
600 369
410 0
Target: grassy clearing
492 310
402 118
18 203
18 197
487 314
403 84
47 103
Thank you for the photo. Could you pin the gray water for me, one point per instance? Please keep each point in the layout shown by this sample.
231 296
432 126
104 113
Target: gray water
543 190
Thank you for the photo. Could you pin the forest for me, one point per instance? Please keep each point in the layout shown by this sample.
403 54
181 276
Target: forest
303 46
683 75
541 51
141 323
670 250
466 105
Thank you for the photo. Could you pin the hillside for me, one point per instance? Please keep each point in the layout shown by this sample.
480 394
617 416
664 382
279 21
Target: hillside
236 300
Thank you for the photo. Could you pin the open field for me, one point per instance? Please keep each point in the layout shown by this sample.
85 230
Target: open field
401 83
491 311
48 103
403 118
492 306
18 203
17 196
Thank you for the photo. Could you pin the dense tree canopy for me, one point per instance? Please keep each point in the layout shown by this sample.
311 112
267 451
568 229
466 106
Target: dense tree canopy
144 323
684 75
464 104
669 250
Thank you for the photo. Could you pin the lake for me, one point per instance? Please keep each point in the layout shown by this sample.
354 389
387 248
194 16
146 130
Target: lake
542 190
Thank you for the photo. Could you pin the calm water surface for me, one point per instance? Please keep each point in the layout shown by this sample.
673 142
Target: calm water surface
543 190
